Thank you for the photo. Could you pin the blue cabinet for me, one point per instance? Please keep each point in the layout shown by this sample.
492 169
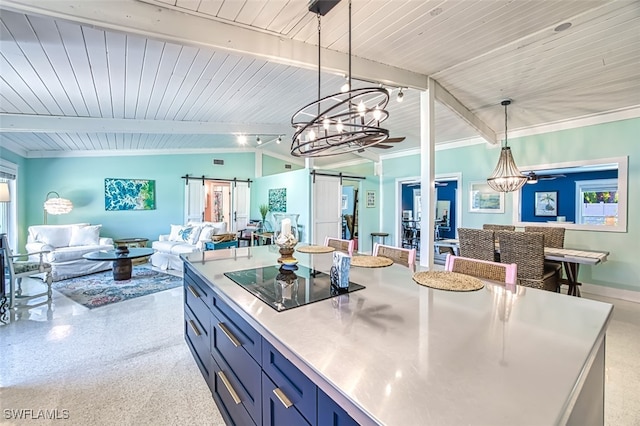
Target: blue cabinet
251 382
331 414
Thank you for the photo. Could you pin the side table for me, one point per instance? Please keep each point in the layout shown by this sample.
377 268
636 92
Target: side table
133 243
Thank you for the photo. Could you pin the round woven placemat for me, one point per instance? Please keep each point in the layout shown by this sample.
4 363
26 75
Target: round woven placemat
451 281
365 261
315 249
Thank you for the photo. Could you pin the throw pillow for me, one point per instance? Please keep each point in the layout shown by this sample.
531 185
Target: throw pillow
185 233
194 234
175 233
85 235
206 233
55 236
219 228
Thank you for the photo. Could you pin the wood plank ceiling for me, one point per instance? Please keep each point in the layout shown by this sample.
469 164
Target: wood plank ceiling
70 83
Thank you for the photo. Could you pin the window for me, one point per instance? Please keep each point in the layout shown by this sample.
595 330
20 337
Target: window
597 202
8 211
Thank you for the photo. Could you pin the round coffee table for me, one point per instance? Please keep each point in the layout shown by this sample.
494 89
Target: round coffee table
121 260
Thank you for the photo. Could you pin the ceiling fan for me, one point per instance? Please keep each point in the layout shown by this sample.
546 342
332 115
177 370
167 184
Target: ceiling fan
532 177
382 145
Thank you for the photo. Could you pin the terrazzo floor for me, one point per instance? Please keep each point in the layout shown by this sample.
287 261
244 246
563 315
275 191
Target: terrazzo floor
128 364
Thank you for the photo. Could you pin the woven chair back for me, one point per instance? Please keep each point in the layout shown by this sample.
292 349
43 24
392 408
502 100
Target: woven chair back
492 227
525 249
502 272
403 256
340 245
553 235
477 243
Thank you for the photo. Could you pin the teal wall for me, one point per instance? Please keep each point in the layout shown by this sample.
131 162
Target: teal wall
272 166
81 179
298 188
476 162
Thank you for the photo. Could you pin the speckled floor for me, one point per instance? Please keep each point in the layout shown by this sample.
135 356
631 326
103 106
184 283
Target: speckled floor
127 364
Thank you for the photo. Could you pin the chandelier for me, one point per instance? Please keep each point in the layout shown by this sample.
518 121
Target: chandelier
343 122
506 177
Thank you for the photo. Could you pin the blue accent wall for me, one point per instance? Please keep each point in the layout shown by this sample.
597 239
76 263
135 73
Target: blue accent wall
566 188
448 193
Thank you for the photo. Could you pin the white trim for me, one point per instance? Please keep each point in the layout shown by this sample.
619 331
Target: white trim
348 163
616 293
132 152
397 215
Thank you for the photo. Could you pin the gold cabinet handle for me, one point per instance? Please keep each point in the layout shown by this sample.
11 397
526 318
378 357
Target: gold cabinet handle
227 384
230 335
194 327
193 291
283 398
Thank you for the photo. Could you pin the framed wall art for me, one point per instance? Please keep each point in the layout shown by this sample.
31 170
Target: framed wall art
278 200
483 199
546 203
129 194
371 199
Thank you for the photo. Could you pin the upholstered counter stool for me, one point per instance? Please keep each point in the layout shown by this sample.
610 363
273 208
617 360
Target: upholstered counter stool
375 235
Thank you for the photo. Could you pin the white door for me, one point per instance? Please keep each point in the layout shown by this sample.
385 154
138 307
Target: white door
327 209
241 199
194 198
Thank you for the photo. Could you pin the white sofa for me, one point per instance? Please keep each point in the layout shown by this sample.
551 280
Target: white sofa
183 239
66 245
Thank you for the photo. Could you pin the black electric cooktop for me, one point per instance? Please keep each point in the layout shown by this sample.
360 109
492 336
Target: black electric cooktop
284 287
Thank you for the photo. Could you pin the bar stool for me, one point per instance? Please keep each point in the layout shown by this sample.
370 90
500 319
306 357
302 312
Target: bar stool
382 235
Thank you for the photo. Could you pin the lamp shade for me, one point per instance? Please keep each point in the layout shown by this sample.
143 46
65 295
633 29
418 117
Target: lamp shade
5 197
57 205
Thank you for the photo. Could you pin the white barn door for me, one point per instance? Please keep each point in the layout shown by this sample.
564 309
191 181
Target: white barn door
194 198
241 201
327 208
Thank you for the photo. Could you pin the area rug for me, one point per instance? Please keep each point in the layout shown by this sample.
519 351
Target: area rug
100 289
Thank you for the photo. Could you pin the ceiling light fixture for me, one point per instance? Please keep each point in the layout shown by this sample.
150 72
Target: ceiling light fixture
342 122
400 96
506 177
279 140
258 140
242 139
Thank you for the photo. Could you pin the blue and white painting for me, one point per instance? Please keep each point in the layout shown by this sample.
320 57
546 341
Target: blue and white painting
129 194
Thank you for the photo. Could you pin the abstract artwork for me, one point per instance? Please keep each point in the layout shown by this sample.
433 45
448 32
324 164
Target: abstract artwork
278 200
129 194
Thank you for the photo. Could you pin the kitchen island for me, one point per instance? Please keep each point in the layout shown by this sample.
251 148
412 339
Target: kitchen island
395 352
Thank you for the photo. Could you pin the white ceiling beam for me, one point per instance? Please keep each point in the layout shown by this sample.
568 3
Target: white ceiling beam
450 101
147 20
54 124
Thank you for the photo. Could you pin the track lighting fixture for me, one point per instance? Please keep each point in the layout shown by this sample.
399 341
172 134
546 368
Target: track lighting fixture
242 139
258 140
279 140
400 96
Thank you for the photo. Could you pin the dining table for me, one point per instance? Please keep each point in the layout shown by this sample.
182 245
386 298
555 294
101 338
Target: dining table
570 258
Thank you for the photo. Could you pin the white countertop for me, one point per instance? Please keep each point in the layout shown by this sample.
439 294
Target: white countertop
409 355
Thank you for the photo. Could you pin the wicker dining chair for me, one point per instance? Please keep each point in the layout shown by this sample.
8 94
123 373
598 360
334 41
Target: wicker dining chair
553 235
526 249
346 246
502 272
493 227
403 256
477 243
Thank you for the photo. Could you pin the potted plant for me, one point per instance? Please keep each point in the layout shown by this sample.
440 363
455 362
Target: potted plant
264 209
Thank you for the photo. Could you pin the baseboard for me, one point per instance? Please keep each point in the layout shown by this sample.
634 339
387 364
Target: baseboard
616 293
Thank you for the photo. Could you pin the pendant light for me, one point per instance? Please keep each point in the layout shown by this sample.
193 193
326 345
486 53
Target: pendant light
506 177
342 122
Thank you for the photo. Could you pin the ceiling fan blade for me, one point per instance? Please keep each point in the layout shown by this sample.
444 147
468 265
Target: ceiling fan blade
382 146
395 140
